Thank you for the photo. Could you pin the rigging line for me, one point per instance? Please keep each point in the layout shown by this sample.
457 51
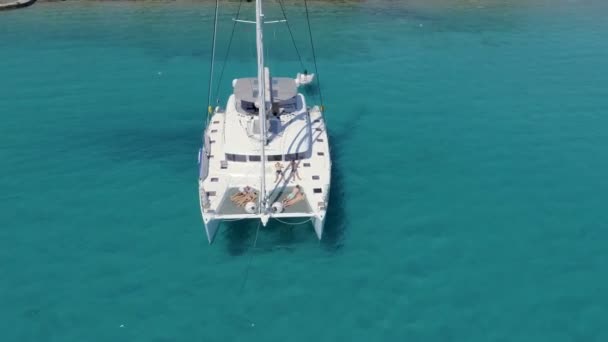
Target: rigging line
217 5
293 223
219 83
314 57
291 34
250 258
233 220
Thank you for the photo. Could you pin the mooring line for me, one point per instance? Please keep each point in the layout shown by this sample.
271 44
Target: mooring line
255 241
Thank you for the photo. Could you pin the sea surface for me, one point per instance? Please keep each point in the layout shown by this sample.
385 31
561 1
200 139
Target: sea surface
469 194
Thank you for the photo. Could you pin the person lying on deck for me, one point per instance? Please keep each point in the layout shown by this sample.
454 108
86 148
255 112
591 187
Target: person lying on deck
242 192
243 199
246 194
295 196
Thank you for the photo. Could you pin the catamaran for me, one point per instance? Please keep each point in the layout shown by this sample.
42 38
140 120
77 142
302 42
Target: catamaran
265 155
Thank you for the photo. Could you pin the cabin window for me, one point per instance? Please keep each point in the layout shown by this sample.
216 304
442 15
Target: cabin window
249 106
255 158
236 157
295 156
277 157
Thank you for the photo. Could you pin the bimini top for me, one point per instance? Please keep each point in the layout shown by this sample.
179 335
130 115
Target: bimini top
282 88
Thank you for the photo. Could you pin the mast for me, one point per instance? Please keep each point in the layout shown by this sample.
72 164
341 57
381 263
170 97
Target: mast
259 22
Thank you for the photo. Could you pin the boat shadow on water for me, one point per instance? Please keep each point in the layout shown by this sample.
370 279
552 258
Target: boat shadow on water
240 236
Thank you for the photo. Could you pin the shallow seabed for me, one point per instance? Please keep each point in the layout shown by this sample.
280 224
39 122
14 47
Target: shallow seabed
469 190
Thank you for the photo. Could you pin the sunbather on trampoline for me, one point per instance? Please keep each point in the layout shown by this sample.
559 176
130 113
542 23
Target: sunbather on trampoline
242 192
242 200
293 197
247 194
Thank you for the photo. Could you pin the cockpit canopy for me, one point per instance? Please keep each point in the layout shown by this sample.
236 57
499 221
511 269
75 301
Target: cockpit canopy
283 92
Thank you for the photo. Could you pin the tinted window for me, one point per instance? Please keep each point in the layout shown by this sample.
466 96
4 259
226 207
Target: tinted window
290 157
230 157
275 158
255 158
240 158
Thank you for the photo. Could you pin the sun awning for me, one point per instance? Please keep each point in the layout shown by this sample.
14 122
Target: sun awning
282 88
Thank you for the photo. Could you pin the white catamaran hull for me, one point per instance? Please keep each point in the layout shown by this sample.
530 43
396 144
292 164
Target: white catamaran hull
211 227
265 155
319 223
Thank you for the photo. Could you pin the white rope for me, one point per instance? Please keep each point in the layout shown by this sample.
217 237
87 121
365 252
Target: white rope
219 82
232 220
255 242
217 5
292 223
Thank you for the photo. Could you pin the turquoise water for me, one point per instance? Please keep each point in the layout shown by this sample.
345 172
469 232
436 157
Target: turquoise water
469 189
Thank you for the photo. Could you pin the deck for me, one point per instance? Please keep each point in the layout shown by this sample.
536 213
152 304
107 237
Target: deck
221 178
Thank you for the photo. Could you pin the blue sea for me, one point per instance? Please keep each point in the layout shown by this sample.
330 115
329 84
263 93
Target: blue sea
470 175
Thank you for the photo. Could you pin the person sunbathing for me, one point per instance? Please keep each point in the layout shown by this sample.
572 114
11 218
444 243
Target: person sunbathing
293 197
242 192
246 194
243 199
297 198
236 198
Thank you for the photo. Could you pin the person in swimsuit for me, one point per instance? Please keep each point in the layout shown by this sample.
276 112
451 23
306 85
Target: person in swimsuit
293 197
243 196
294 170
279 171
